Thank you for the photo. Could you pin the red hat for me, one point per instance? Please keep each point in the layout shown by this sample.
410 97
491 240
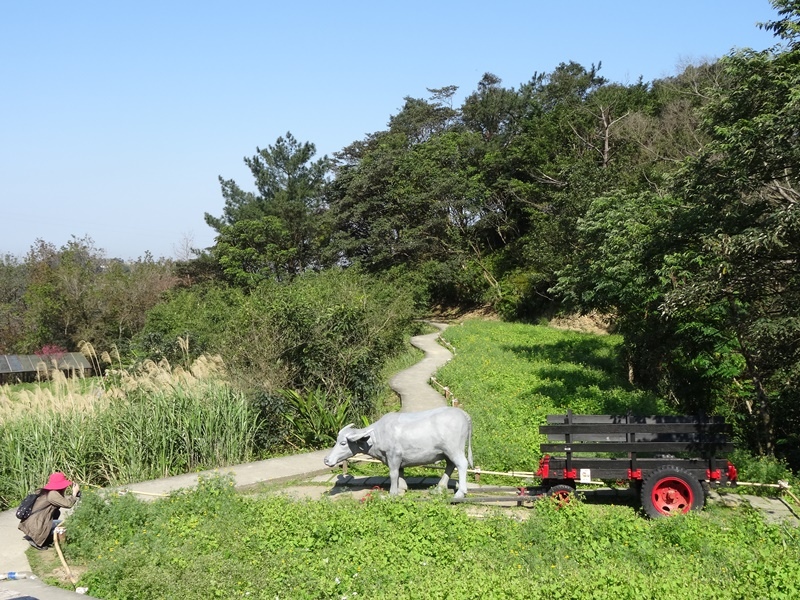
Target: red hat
57 481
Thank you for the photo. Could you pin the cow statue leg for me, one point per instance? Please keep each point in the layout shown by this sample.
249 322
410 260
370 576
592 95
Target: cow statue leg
394 478
461 464
448 472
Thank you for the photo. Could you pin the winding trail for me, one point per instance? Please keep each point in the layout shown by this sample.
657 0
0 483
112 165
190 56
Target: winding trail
412 383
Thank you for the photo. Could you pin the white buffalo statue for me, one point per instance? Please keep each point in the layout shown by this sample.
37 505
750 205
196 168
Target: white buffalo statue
411 439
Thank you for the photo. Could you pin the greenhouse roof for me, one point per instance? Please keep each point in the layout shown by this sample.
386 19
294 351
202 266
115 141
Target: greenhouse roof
33 363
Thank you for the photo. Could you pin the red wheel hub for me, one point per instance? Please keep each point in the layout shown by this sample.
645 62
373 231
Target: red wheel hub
672 496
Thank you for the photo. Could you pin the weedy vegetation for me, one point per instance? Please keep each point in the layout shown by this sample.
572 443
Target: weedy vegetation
132 426
214 542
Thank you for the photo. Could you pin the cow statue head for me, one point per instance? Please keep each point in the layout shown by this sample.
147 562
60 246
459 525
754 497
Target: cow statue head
350 441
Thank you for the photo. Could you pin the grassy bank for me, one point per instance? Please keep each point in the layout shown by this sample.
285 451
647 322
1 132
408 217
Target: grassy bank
508 377
216 543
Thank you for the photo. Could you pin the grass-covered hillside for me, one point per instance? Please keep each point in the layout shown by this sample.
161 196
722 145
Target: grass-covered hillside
215 543
509 376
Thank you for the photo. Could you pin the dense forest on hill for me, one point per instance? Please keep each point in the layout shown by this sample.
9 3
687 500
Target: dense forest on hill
671 206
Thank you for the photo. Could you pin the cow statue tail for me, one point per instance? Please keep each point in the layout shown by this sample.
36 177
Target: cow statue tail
469 441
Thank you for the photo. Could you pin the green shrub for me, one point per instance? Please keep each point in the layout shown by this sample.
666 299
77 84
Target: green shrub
332 330
200 315
761 469
316 417
454 282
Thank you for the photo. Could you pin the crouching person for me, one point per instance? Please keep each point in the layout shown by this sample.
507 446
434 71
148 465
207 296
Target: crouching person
51 498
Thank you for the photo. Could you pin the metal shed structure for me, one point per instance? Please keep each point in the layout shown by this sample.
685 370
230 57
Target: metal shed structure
29 367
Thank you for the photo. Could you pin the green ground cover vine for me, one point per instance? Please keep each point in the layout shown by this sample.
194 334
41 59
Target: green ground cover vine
214 542
508 377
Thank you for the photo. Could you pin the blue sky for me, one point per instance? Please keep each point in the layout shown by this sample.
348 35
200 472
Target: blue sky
118 116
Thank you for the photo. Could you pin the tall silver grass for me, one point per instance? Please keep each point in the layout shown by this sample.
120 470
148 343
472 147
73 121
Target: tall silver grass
145 434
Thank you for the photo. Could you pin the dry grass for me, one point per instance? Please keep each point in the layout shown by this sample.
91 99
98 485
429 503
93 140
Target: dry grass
151 376
67 394
60 394
129 425
592 322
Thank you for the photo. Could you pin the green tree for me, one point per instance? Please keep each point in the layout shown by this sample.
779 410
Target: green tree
74 293
282 218
129 291
568 146
705 278
616 270
409 198
362 204
61 300
13 283
738 264
493 110
252 250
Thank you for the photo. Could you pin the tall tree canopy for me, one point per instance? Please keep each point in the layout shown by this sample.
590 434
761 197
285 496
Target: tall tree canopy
738 261
705 274
61 296
276 231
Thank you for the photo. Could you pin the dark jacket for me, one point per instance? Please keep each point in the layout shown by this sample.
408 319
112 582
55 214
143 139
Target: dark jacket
46 508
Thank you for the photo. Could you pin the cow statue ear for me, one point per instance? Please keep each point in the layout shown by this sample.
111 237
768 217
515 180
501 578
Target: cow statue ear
359 434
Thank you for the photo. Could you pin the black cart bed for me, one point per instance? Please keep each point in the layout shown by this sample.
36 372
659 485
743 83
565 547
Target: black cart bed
672 460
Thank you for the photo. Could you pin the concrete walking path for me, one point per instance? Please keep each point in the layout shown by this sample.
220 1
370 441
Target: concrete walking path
412 383
415 394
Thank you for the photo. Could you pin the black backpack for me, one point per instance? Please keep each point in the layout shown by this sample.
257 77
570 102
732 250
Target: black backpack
25 509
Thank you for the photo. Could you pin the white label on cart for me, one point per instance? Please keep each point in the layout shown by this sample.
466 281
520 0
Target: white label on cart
586 475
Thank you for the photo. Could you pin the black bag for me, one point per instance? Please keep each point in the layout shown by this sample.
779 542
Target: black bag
25 509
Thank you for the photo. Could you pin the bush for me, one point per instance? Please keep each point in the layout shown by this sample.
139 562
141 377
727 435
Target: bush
761 469
199 315
332 330
316 417
454 283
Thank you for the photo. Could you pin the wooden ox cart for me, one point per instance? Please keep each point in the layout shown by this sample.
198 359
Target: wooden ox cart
671 461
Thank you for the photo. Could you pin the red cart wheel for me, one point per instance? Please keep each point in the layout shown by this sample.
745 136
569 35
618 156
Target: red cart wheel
671 491
561 494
